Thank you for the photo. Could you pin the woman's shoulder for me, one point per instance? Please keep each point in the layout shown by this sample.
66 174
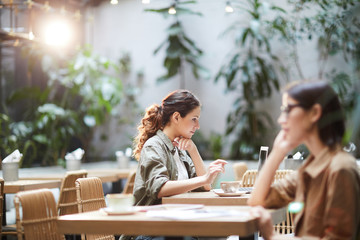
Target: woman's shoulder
343 161
155 143
154 140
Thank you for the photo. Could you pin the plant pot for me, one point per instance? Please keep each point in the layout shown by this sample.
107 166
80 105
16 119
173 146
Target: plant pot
10 171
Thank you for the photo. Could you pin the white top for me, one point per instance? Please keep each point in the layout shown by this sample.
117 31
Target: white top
182 173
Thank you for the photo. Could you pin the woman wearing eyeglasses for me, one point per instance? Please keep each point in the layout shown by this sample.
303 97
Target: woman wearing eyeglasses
327 185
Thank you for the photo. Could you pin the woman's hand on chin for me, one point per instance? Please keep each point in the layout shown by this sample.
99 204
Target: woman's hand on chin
184 143
283 143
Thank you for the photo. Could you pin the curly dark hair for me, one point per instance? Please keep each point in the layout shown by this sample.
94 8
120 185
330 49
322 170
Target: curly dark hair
156 117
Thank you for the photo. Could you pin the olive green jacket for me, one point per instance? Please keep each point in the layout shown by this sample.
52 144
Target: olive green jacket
157 166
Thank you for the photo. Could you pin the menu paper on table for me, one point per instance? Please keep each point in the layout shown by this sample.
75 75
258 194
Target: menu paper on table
196 213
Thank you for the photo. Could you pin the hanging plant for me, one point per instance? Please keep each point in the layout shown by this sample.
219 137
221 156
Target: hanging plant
181 51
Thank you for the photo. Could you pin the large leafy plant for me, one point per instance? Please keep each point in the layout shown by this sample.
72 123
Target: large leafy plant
335 26
252 71
79 96
181 51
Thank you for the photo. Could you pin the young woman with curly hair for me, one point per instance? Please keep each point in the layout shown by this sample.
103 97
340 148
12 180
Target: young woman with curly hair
169 161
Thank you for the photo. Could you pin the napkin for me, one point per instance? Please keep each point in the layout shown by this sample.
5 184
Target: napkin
75 155
297 155
15 156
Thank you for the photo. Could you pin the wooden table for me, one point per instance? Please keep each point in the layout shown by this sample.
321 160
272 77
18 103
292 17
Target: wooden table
119 173
23 185
99 222
206 198
105 177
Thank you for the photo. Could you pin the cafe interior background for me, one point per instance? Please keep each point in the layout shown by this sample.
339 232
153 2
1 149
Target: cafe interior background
80 73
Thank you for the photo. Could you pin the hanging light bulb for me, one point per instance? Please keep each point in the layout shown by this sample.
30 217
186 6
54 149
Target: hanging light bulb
228 7
145 1
172 10
114 2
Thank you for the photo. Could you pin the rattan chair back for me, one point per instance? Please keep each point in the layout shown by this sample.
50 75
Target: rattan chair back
39 215
129 185
280 174
239 170
287 226
4 228
67 203
249 178
90 197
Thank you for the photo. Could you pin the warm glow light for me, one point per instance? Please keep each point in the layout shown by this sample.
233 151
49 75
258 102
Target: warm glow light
172 10
114 2
145 1
57 33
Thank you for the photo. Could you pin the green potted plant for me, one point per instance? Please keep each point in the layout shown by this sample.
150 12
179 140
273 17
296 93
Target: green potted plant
79 96
181 51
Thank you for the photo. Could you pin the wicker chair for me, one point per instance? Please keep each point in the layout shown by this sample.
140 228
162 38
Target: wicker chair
239 170
67 203
249 178
129 186
4 229
287 226
39 215
90 197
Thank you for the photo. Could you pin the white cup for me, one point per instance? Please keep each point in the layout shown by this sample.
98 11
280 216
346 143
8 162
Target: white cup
230 186
120 202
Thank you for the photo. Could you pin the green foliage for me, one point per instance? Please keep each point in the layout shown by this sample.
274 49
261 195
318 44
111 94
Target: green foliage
209 148
253 72
180 49
79 96
335 25
17 135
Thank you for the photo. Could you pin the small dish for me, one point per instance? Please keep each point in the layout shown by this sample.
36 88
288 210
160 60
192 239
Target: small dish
221 193
110 211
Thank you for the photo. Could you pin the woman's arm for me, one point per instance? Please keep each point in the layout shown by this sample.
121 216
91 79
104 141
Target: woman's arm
181 186
200 169
263 182
188 145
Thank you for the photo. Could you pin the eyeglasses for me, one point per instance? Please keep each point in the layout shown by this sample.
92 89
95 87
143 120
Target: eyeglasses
287 109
